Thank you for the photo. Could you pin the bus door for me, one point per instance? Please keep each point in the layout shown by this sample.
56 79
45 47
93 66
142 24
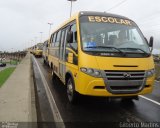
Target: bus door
62 54
66 48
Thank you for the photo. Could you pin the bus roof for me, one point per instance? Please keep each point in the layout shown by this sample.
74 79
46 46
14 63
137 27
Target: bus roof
93 13
89 13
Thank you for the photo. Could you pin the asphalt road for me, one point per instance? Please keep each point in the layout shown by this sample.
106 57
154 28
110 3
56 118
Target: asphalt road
93 111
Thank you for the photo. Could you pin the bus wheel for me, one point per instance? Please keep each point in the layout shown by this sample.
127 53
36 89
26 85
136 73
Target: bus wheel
53 75
47 63
71 93
44 61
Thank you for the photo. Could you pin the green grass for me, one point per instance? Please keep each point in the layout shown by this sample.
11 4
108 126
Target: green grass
14 62
4 74
157 67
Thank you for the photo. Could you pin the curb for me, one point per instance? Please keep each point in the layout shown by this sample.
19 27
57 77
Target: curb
33 97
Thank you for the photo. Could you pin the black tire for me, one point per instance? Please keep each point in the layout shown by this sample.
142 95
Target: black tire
44 61
47 62
71 93
53 75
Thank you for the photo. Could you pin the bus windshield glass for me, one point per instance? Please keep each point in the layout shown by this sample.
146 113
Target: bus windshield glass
100 34
40 46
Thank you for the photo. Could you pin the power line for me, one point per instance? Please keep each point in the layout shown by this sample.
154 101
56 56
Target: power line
118 4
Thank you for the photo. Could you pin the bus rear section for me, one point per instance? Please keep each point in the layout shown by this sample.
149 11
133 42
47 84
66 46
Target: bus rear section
104 55
38 50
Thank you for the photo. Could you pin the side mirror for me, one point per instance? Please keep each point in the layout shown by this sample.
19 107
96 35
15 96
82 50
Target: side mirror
151 41
70 37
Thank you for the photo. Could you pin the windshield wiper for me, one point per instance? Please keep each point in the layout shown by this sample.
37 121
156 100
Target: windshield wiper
144 52
123 53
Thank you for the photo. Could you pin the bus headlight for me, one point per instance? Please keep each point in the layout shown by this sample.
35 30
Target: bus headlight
150 73
91 72
84 69
97 73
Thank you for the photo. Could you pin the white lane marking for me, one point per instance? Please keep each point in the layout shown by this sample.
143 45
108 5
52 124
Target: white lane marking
153 101
56 114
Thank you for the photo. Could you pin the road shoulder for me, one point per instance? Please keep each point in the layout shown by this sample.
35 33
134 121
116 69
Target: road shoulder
17 100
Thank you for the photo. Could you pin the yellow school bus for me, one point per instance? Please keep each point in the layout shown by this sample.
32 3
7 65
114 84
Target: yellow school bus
45 52
102 54
38 50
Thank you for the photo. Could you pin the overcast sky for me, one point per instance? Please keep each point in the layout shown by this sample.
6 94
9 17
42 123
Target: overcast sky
22 20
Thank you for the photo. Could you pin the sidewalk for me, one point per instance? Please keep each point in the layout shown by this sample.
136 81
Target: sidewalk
17 99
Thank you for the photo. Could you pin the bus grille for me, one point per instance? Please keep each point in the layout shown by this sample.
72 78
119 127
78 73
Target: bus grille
126 82
125 75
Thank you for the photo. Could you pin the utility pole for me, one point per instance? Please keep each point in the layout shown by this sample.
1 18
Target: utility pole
41 37
35 40
71 6
50 24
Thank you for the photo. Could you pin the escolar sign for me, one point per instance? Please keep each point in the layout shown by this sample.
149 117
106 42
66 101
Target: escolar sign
108 20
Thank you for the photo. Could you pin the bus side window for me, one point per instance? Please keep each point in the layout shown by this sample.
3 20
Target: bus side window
58 38
52 43
54 38
51 40
61 47
65 55
74 45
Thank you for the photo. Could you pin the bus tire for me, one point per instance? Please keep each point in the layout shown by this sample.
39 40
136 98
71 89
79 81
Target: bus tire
44 61
53 75
71 93
47 62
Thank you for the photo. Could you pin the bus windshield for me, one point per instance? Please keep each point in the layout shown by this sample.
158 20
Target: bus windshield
112 35
40 46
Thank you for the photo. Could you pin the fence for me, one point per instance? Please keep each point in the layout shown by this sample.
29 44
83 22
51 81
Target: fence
14 57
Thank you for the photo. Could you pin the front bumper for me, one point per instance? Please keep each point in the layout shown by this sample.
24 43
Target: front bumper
38 53
105 87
